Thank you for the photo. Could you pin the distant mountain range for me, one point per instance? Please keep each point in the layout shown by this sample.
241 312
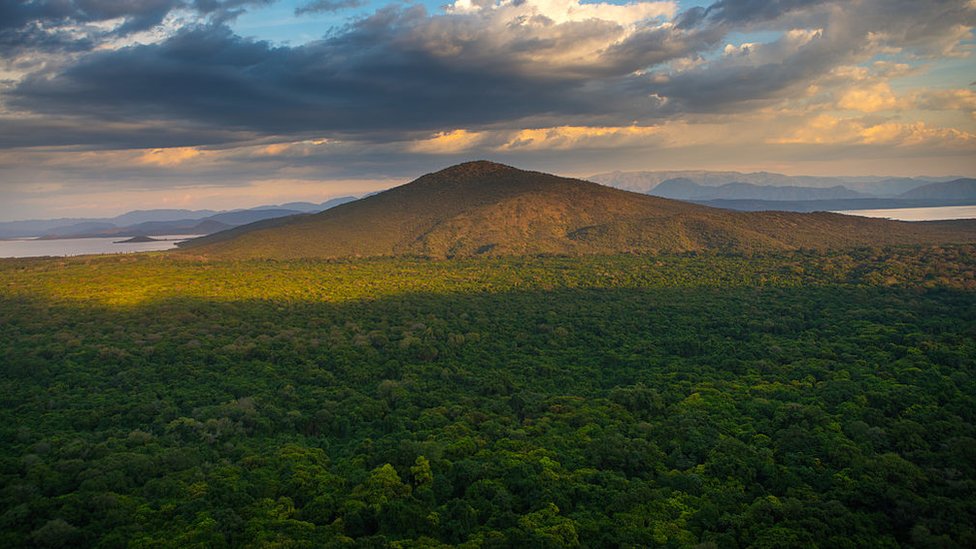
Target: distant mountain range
960 189
483 208
756 191
159 222
686 189
643 182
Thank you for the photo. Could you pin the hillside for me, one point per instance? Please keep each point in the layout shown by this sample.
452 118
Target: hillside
483 208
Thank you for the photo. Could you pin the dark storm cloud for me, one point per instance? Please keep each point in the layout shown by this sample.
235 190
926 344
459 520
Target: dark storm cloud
727 13
326 6
57 131
139 14
728 83
401 70
846 36
368 78
39 24
650 47
737 12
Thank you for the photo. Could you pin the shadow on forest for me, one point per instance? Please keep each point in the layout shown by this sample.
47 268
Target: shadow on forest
743 415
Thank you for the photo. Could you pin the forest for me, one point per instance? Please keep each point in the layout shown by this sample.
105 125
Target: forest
781 399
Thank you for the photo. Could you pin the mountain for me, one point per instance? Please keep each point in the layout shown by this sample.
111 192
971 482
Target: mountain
957 192
891 187
146 216
309 207
959 189
874 186
483 208
128 224
304 207
207 225
146 228
679 188
158 222
81 228
645 181
250 216
686 189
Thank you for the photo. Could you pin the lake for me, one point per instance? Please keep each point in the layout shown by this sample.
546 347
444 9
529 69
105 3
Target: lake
84 246
918 214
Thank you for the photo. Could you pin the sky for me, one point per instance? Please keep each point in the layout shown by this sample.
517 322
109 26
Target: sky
114 105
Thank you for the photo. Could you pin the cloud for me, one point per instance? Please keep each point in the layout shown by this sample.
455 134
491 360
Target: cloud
556 138
560 11
734 12
946 100
82 25
397 70
453 141
827 129
326 6
170 157
526 63
871 98
163 93
58 130
816 38
578 137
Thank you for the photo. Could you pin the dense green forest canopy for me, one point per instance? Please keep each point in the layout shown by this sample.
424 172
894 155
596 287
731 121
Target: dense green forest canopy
780 400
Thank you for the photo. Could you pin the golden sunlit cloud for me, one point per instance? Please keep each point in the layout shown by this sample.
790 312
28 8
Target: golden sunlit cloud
304 147
827 129
275 149
533 139
568 137
871 98
169 157
453 141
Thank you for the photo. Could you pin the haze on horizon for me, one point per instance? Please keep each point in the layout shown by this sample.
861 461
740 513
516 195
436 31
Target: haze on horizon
108 106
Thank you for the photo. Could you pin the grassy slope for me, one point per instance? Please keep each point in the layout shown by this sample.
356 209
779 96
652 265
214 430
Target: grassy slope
481 208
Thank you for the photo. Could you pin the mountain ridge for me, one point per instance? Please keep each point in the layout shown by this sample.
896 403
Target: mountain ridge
957 189
158 222
646 181
686 189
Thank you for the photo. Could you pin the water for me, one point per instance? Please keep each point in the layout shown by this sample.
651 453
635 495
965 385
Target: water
84 246
918 214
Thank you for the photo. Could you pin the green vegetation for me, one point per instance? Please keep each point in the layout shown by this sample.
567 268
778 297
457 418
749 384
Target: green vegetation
779 400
